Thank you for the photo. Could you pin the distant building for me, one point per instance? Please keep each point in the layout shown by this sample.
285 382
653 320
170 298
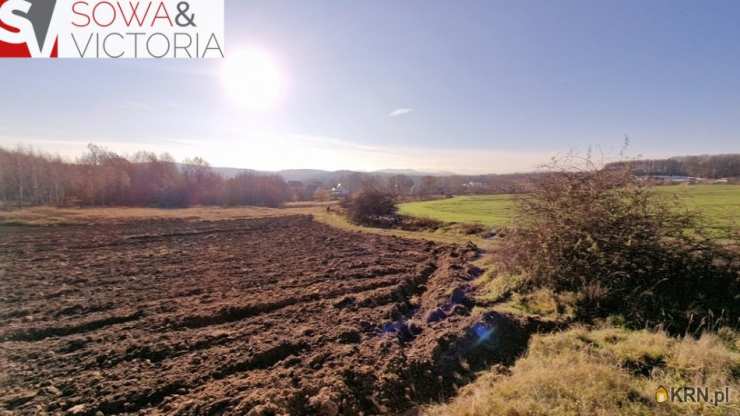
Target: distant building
340 191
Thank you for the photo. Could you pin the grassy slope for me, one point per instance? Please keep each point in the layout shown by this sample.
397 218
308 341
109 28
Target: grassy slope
604 371
442 236
719 203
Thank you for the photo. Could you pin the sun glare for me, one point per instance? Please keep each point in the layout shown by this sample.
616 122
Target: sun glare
253 79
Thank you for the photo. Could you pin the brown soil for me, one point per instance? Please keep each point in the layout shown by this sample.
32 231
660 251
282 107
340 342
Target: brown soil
262 316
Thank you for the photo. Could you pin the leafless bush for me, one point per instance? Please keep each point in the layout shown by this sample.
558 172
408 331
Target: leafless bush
605 235
372 207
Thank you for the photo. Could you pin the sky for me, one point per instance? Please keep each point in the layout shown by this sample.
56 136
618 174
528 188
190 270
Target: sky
462 86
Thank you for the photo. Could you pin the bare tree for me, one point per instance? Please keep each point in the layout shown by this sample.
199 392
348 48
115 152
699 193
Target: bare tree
400 185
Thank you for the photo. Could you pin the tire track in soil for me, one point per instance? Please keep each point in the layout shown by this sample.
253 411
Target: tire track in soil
231 317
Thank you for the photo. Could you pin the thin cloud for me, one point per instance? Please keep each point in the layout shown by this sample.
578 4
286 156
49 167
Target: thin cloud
400 112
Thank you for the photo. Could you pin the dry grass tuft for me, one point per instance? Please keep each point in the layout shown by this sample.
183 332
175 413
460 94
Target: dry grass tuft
544 304
608 371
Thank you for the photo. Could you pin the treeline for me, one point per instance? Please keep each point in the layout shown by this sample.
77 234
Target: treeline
710 167
408 186
104 178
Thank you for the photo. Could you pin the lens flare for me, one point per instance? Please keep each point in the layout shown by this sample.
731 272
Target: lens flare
253 79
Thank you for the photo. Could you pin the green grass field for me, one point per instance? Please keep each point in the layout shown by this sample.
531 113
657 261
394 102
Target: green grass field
720 205
490 210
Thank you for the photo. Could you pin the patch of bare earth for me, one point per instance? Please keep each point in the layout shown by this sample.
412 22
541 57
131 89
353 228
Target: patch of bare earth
261 316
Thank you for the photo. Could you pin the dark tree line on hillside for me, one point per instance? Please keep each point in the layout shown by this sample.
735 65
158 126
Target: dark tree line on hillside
104 178
711 167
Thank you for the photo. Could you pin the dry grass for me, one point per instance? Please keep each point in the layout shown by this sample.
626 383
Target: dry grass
543 304
62 216
503 293
607 371
446 236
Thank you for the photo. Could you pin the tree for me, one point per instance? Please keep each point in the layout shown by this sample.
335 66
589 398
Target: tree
105 177
101 177
297 190
428 186
371 206
322 195
258 190
400 185
715 166
202 184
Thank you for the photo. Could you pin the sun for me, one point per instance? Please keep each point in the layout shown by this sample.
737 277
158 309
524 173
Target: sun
253 79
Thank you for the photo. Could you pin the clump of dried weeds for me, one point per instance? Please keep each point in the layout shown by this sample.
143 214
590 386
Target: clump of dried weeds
605 235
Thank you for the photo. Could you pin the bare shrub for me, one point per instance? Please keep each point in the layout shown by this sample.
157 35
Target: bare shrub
372 207
473 229
409 223
604 234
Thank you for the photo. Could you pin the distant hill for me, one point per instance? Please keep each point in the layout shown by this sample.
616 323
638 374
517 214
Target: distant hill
231 172
412 172
310 175
306 175
707 166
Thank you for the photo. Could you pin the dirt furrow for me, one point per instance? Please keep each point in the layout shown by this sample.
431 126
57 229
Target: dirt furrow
268 316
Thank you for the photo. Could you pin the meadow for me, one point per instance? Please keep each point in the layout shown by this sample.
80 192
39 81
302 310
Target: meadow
718 204
490 210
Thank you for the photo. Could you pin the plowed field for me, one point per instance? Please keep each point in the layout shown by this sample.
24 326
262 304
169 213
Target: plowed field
263 316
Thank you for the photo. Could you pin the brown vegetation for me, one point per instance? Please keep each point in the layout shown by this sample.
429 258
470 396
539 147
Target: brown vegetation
604 235
372 207
103 178
604 372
